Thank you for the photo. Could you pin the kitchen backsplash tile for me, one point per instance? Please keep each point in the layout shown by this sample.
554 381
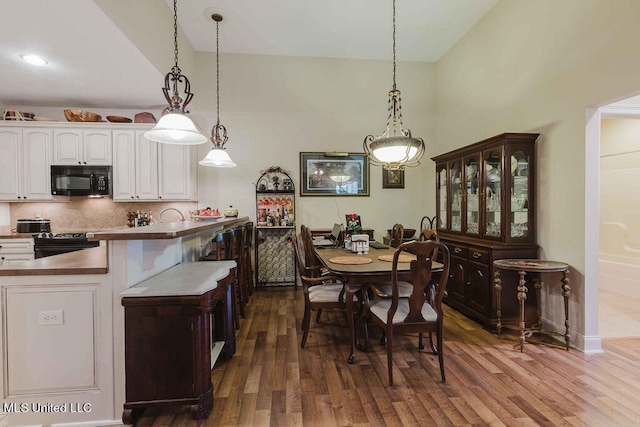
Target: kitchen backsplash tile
86 214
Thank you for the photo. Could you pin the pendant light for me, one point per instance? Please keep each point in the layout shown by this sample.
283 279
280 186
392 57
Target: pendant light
395 148
174 127
218 157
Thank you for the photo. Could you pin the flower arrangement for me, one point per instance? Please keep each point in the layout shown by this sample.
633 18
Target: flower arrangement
354 226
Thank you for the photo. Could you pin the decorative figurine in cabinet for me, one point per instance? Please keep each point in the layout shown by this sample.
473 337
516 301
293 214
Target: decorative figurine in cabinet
485 211
275 216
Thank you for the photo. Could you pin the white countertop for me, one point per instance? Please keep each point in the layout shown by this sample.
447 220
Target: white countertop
186 279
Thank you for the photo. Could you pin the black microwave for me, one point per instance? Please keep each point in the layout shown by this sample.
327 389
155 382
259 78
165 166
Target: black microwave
81 180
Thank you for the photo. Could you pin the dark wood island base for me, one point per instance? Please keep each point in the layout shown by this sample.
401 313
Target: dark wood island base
171 322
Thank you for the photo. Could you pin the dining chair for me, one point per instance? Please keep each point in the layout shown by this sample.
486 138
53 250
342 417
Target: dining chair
247 245
228 246
383 289
320 292
422 311
310 258
429 234
397 234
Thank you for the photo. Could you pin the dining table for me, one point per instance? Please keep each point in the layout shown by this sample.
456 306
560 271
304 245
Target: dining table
358 271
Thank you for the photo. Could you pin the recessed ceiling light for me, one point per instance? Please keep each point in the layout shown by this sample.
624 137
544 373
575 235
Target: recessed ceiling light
33 59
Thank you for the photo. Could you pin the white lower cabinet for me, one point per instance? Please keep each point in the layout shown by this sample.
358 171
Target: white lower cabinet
146 170
57 350
15 250
26 161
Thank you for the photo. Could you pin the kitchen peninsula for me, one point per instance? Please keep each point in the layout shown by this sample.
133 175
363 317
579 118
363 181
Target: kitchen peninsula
64 328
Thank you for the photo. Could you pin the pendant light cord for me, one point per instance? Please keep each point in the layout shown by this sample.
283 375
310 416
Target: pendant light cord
176 69
394 44
218 71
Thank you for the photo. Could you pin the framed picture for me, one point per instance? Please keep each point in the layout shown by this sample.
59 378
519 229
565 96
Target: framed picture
392 178
334 174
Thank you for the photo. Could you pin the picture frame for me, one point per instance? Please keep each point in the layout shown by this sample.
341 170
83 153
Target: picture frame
334 174
393 178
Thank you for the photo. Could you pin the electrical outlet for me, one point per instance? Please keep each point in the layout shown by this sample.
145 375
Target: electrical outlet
53 317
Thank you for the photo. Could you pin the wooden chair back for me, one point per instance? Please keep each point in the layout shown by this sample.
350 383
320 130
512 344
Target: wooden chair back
397 234
425 288
429 234
300 255
320 292
310 257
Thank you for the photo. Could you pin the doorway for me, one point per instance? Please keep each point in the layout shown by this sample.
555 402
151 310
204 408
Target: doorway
619 226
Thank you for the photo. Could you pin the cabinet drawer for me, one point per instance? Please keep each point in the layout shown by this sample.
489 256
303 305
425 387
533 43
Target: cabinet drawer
16 247
16 257
478 255
457 250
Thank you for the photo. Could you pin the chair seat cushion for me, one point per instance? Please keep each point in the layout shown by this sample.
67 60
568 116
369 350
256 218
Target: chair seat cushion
380 307
325 293
383 289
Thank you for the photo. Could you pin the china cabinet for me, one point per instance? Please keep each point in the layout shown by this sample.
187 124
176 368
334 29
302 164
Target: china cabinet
26 155
485 210
275 214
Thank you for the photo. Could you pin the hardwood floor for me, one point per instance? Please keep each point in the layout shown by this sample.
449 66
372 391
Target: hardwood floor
271 381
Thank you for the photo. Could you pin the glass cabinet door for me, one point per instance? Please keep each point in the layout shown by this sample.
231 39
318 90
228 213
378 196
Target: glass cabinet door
493 181
471 174
519 227
442 198
456 197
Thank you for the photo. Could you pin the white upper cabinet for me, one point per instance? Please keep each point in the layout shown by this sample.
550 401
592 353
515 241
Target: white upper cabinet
124 165
146 170
177 178
26 160
82 147
142 169
146 173
135 167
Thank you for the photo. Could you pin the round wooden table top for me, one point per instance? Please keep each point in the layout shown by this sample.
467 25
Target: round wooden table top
532 265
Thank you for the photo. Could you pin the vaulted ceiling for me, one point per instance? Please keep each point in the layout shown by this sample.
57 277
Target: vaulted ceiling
92 63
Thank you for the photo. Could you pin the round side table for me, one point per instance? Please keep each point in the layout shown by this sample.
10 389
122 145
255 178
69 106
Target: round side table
536 266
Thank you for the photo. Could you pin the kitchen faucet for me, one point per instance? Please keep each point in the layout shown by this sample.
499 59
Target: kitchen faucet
170 209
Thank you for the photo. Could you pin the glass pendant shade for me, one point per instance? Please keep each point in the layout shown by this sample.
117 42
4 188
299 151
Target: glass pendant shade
402 149
175 128
395 148
218 158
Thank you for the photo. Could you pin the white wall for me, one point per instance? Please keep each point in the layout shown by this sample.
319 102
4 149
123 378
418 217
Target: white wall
536 67
276 107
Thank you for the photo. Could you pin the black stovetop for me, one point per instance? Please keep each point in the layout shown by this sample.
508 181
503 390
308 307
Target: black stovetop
60 236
